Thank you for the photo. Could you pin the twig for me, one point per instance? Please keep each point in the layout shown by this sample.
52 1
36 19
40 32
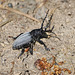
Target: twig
18 12
11 71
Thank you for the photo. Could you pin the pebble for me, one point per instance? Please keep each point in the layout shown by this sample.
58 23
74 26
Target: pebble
2 44
6 43
67 20
10 5
17 3
69 13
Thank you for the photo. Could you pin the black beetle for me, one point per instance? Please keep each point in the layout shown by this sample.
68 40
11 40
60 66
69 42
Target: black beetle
27 40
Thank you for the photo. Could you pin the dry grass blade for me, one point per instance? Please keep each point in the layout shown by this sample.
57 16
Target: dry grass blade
53 10
4 23
39 6
18 12
11 71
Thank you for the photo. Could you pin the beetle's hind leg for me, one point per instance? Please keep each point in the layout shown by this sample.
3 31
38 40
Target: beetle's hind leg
26 56
31 49
15 37
21 52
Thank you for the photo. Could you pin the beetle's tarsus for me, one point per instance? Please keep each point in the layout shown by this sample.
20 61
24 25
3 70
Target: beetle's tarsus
31 49
14 38
47 49
25 57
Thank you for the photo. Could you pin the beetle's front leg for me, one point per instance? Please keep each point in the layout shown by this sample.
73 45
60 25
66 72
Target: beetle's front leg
41 42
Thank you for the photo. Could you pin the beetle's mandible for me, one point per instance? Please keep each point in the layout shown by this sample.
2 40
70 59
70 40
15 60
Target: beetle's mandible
27 40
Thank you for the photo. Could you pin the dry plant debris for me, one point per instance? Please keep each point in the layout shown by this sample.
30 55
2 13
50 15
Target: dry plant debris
4 23
18 12
11 71
40 5
50 68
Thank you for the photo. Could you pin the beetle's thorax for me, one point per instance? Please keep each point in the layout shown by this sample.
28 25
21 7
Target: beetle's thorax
38 33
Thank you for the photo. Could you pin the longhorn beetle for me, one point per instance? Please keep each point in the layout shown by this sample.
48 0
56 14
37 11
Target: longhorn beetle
27 40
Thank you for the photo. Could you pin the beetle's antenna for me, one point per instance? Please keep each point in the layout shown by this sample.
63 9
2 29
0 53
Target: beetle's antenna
52 29
44 19
54 36
49 22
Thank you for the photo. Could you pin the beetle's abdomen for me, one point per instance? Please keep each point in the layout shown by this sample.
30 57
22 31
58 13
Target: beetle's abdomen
22 40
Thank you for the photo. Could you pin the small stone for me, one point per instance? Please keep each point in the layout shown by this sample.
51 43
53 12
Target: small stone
6 43
10 5
17 3
67 20
2 44
69 13
64 1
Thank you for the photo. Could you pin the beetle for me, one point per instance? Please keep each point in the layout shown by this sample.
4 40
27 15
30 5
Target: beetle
28 39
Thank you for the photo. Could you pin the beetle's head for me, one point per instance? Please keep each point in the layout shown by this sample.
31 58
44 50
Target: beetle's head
47 28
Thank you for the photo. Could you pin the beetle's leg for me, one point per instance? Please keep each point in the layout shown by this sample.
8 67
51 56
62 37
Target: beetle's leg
17 36
27 50
21 52
31 49
27 54
41 42
44 19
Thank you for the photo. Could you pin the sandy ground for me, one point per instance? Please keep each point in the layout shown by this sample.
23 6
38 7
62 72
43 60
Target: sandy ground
64 21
